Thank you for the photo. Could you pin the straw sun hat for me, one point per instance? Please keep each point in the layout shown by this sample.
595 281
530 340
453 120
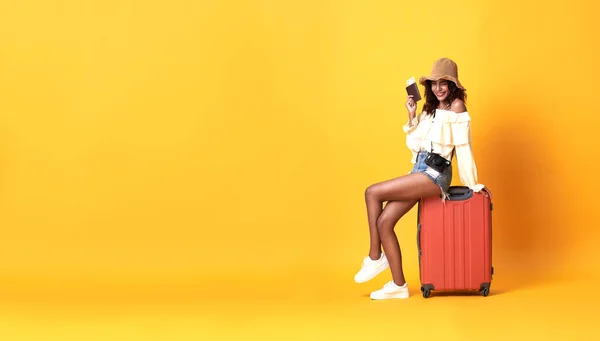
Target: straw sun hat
443 68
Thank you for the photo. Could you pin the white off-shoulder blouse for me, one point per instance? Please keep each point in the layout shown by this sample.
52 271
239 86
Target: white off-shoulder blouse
447 131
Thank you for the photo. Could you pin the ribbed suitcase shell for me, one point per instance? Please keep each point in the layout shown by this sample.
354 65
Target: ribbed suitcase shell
455 242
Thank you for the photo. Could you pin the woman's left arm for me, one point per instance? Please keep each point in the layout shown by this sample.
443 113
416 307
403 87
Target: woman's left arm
467 169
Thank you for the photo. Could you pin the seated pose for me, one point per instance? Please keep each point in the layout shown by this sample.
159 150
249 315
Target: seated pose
434 136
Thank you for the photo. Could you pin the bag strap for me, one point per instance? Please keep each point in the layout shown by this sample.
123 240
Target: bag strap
431 142
451 156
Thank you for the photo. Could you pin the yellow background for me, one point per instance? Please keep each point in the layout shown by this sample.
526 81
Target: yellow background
196 169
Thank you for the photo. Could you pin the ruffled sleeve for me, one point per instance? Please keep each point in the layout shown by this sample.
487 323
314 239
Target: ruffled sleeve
467 168
461 138
413 138
411 125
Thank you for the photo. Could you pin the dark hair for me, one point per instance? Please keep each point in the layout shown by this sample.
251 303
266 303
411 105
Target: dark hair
431 102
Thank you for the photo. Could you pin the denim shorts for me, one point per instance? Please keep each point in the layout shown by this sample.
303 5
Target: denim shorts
441 179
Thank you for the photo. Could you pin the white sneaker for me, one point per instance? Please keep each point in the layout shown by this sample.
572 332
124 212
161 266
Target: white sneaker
390 290
371 268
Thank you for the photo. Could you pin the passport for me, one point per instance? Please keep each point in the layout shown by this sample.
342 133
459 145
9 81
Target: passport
413 89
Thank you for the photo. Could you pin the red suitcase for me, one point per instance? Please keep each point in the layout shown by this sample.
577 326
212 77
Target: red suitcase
455 242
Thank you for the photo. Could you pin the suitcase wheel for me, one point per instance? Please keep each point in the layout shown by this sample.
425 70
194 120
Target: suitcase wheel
426 290
485 289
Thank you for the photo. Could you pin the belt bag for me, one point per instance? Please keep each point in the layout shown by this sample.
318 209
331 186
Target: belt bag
437 162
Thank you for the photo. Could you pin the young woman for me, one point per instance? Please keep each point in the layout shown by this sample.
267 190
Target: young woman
440 131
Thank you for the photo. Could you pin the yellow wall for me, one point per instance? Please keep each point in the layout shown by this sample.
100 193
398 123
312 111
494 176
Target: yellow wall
225 139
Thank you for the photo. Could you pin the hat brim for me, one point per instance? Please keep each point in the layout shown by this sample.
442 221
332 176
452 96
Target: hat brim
423 80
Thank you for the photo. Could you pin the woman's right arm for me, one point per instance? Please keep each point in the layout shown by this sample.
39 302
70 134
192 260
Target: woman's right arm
412 141
411 106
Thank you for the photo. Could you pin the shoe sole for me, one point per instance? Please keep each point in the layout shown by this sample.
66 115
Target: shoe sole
387 265
393 296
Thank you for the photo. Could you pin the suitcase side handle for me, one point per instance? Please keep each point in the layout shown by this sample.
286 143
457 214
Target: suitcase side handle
419 238
456 193
419 230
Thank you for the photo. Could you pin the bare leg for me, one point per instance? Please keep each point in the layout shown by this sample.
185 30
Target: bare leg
374 209
394 210
402 194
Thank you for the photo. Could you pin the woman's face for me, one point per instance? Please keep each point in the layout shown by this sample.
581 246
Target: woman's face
440 89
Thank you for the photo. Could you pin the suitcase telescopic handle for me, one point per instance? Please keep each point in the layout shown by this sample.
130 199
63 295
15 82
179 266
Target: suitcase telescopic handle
456 193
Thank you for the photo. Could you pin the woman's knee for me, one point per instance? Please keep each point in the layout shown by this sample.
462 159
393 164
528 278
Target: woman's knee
385 224
371 192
